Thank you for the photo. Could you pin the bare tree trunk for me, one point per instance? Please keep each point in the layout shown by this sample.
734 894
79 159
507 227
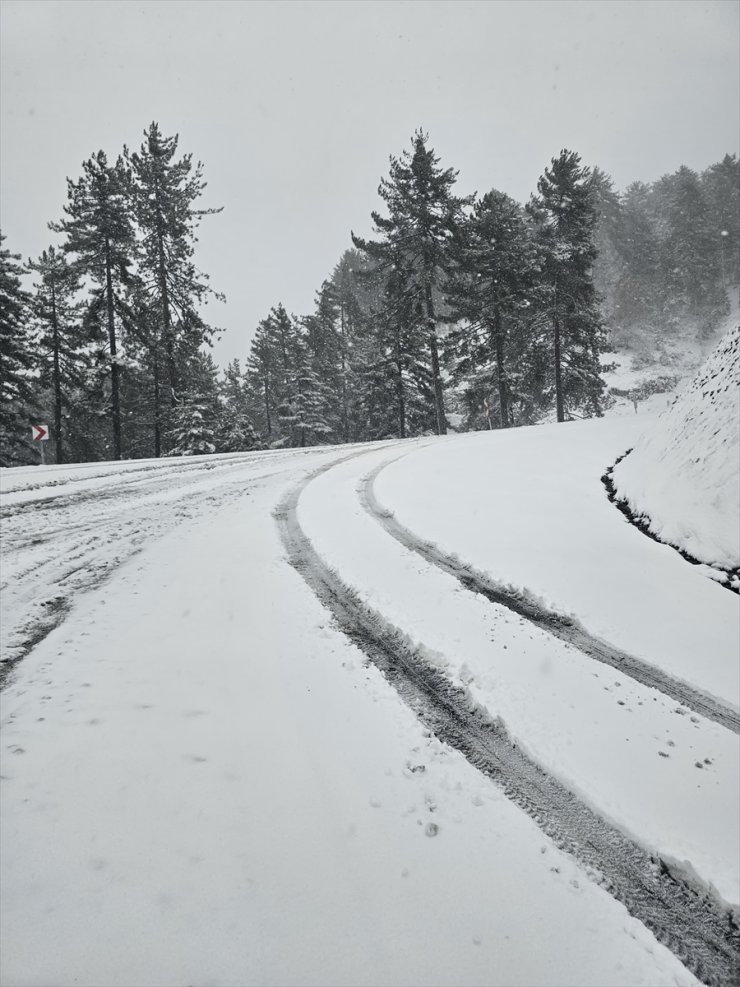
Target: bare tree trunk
503 385
167 322
268 419
164 293
58 439
157 422
439 406
399 384
343 347
114 371
558 362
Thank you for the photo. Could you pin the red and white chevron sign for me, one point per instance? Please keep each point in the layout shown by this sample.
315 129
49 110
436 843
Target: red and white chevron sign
40 433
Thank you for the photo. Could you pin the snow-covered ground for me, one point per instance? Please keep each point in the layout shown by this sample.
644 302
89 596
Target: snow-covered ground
206 782
683 476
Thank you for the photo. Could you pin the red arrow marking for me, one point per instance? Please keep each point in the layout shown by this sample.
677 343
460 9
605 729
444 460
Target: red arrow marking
39 432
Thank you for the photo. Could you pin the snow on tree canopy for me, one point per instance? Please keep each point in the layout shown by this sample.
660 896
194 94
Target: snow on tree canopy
683 476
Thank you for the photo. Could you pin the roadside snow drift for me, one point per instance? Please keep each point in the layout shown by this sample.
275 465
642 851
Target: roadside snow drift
682 479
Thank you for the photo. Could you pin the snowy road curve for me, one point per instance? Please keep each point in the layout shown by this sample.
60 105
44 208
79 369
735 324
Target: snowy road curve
702 935
63 537
204 752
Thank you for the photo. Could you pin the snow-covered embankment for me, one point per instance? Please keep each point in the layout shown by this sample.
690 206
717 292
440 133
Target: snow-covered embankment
681 481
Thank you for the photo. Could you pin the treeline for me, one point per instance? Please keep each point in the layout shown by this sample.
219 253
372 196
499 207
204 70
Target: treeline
470 312
457 301
482 312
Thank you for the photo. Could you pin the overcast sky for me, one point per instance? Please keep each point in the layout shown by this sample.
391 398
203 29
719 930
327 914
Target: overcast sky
294 109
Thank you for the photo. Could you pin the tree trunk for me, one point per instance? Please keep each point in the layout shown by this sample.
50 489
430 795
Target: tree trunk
165 296
558 367
167 327
58 440
439 406
503 385
268 420
399 385
299 382
157 422
114 372
345 410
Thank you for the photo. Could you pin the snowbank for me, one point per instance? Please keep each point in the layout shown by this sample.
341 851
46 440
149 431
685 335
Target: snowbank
683 475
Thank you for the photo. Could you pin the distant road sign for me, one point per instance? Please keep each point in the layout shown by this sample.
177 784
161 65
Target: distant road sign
40 433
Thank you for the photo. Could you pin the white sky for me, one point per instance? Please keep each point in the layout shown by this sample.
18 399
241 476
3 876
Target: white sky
294 109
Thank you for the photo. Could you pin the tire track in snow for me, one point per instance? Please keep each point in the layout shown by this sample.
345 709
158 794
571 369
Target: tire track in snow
65 542
693 926
157 475
64 535
559 625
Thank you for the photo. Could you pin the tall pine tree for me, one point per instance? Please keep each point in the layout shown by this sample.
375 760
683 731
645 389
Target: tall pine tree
165 191
565 215
490 290
99 233
422 216
61 343
17 362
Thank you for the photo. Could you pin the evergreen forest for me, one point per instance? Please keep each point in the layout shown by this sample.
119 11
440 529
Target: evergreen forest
459 313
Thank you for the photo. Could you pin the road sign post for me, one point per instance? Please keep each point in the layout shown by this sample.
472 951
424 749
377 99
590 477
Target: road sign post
40 434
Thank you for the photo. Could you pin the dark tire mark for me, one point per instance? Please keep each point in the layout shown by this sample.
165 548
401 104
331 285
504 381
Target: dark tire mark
50 615
693 926
559 625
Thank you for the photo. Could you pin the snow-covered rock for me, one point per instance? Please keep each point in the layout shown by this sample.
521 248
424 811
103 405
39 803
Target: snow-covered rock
682 479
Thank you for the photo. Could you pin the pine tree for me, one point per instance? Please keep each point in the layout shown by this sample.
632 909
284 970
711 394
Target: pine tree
274 368
146 371
17 362
261 381
639 293
489 289
608 264
721 187
423 214
691 270
327 364
312 404
196 421
236 433
193 432
61 342
99 232
358 291
302 400
283 337
165 191
566 217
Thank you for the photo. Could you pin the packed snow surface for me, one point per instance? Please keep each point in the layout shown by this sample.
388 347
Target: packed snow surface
205 782
683 475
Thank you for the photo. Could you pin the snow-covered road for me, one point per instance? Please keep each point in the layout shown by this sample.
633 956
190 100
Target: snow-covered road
205 781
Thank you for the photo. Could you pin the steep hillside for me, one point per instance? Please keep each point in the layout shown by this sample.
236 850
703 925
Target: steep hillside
681 482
